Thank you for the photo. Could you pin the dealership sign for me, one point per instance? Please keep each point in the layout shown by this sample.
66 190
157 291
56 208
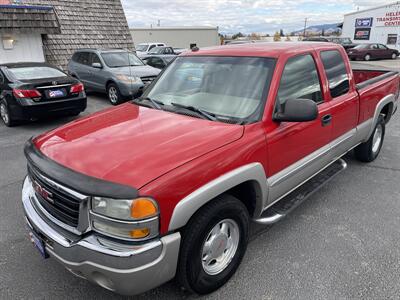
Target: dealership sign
362 34
389 19
364 22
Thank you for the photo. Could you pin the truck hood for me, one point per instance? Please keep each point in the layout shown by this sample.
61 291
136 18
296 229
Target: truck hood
133 145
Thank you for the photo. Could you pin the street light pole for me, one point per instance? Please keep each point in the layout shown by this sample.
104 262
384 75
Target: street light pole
305 26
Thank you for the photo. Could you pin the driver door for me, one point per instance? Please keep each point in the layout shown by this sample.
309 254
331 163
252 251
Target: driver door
297 150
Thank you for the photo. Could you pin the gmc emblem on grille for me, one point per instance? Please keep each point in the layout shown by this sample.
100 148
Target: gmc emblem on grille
45 194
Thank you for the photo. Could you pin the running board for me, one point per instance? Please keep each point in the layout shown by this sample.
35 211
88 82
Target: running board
284 206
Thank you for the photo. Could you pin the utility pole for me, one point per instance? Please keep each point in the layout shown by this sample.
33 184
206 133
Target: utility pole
305 26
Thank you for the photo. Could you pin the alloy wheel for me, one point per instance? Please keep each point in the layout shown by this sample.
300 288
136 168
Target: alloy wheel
220 246
113 94
377 138
4 113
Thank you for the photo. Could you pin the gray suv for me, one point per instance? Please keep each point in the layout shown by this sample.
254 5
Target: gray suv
119 73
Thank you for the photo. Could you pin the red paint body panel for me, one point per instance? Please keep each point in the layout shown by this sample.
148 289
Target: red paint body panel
364 75
168 156
133 145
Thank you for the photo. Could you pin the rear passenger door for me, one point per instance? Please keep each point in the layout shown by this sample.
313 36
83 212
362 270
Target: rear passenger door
343 99
297 150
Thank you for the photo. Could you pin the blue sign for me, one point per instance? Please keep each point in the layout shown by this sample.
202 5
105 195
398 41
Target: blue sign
364 22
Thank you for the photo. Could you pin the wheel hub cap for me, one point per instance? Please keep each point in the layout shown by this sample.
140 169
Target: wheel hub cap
377 139
112 93
220 246
4 113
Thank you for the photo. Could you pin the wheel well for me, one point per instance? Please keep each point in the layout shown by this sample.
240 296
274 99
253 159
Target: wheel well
387 111
109 82
247 192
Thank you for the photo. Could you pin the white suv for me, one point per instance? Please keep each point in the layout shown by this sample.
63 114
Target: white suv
143 48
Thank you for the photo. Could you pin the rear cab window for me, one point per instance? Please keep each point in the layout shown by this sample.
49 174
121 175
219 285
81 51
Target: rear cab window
336 72
299 80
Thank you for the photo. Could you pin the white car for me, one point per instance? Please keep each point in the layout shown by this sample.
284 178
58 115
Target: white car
144 48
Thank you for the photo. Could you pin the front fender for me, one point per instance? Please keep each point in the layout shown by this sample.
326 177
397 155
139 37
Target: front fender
186 208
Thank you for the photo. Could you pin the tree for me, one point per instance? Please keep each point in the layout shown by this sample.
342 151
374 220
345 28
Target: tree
323 32
277 37
237 35
255 36
288 38
281 33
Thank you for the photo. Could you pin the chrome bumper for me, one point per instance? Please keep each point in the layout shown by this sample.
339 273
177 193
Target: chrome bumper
124 269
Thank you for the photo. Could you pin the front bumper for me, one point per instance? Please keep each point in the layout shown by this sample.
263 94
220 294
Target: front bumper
122 268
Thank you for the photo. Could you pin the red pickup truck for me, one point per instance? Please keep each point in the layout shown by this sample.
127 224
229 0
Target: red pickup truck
166 185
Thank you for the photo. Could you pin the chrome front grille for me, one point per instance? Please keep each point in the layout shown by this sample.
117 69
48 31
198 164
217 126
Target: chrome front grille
60 202
148 79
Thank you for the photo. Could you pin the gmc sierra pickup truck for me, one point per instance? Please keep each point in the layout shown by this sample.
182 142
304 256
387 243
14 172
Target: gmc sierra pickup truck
166 185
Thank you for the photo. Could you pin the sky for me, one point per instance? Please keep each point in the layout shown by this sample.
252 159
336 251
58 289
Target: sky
246 16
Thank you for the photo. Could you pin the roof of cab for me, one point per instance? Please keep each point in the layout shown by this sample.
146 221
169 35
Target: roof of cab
262 49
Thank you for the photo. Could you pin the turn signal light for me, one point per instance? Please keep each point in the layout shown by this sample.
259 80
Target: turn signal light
140 233
26 93
77 88
143 208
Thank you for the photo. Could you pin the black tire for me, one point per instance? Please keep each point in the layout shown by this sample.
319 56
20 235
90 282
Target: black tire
369 150
190 273
5 114
115 98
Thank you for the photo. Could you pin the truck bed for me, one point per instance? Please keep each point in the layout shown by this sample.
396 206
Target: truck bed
372 86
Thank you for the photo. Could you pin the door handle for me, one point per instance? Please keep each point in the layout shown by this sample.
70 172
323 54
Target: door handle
326 120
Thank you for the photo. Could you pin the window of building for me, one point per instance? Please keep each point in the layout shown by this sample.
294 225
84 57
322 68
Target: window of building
336 72
392 39
299 80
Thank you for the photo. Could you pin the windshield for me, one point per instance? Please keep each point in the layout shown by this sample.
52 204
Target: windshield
39 72
156 50
141 48
345 41
228 87
121 59
362 46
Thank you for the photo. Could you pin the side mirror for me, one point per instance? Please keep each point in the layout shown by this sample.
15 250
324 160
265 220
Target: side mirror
97 65
297 110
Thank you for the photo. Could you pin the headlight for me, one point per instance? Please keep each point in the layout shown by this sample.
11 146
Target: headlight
129 79
127 219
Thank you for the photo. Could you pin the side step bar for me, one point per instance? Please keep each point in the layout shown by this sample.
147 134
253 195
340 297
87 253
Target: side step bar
284 206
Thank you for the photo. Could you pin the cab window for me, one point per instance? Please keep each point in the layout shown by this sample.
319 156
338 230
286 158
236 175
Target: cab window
299 80
336 72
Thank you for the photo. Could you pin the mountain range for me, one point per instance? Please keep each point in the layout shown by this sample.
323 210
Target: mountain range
317 29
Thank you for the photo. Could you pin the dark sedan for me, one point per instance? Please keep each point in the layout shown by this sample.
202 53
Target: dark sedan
34 90
372 51
158 61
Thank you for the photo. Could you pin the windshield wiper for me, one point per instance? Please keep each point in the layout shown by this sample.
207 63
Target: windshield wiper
206 114
156 104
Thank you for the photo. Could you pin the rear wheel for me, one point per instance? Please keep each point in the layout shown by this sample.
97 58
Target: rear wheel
113 94
369 151
367 57
394 55
5 114
213 245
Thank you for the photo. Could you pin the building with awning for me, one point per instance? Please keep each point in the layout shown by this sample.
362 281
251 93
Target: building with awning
51 30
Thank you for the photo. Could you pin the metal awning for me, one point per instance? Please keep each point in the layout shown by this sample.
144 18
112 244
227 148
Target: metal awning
28 19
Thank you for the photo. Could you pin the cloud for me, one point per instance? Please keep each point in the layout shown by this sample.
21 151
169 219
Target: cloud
241 15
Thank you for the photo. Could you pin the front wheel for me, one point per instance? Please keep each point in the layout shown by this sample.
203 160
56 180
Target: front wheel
213 245
113 93
394 56
369 151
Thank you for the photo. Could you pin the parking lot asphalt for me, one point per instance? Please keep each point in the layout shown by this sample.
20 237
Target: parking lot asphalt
342 243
